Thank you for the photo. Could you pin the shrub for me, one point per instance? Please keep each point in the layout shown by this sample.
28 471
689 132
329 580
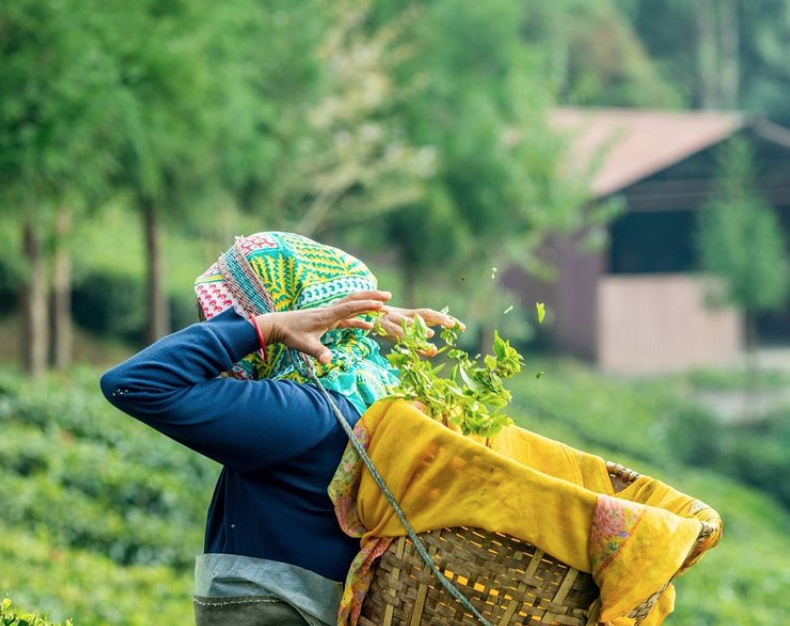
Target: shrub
9 616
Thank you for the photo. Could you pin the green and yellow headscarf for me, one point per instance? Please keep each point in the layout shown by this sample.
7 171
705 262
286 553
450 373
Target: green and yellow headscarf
276 271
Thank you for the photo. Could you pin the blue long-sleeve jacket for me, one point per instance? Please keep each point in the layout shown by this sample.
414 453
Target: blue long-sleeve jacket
278 441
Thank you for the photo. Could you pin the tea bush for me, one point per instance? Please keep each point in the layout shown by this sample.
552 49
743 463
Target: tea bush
101 515
9 616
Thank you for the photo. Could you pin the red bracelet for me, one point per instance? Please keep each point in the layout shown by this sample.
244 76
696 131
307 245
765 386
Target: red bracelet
261 340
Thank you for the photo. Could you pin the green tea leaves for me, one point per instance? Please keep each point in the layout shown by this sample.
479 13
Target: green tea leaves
472 396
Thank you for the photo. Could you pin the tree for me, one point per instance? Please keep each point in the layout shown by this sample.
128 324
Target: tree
719 53
740 240
312 144
356 165
595 56
477 95
170 120
55 131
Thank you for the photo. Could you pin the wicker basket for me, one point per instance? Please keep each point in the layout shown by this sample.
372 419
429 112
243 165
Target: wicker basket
508 580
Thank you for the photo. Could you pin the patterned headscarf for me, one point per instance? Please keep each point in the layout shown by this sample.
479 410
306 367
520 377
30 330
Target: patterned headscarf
276 271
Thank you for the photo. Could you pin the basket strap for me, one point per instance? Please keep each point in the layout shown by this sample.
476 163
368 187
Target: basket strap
306 367
443 581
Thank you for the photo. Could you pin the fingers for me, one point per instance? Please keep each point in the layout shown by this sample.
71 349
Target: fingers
352 308
431 318
316 349
436 318
392 327
382 296
355 322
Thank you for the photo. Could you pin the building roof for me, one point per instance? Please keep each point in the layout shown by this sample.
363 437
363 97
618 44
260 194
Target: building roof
623 146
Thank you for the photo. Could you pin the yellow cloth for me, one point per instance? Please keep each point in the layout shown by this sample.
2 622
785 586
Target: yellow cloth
527 486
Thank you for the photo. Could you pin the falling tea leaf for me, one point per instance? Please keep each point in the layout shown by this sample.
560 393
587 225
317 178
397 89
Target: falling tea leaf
509 309
541 308
493 273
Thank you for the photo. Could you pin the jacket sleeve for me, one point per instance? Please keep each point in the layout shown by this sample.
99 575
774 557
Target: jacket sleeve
173 386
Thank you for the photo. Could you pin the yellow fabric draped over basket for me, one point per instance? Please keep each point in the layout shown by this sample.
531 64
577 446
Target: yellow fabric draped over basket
532 488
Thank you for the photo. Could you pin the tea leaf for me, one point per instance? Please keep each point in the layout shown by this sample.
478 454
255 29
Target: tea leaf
472 396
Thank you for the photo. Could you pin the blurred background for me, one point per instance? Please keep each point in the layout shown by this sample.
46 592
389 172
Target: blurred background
625 162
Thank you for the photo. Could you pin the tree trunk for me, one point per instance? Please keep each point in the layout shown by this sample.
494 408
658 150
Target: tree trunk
62 339
707 55
158 324
35 324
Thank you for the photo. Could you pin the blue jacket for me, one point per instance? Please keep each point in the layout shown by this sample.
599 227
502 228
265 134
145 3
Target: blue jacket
278 441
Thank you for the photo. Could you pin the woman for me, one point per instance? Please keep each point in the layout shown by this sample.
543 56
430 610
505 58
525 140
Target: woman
235 388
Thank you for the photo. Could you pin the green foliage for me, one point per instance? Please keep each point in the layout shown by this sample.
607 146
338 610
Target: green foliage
727 54
596 57
58 97
756 276
112 511
472 397
65 582
351 161
478 97
734 379
114 487
756 453
9 616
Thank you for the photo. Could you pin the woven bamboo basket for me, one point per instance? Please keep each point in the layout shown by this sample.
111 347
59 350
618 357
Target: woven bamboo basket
508 580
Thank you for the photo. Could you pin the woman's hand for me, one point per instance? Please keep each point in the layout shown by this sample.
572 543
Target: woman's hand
393 318
302 329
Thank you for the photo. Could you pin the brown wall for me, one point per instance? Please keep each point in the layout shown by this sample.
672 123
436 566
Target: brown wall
570 298
576 323
658 323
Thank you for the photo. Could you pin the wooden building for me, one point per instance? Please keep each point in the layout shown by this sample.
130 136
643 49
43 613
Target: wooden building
639 305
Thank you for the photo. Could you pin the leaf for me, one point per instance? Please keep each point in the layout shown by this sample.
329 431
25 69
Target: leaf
499 346
467 379
508 310
472 395
541 308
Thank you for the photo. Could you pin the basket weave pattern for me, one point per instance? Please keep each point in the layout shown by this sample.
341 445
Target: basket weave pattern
508 580
511 582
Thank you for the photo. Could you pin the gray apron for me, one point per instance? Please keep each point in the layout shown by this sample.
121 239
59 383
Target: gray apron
233 590
247 611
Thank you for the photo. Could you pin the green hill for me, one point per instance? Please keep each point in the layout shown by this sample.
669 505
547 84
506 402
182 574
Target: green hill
101 516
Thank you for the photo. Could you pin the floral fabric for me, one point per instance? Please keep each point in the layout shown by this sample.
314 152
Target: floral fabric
274 271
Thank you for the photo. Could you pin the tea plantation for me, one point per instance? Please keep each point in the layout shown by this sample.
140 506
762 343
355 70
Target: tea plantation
100 517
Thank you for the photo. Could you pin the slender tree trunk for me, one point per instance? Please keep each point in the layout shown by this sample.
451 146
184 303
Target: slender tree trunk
62 339
158 313
35 323
707 57
730 53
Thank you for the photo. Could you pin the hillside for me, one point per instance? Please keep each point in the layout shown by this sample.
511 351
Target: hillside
101 516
